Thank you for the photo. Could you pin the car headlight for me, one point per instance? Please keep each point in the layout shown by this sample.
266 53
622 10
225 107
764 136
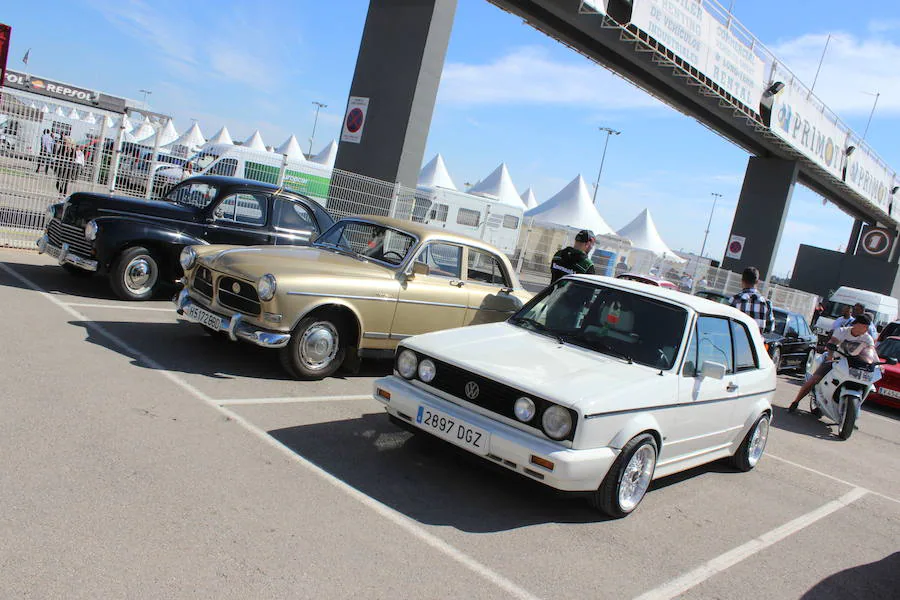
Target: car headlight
265 287
427 370
90 231
557 422
188 258
524 409
407 363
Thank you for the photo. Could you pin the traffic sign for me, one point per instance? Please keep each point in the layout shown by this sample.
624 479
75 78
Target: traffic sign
355 119
735 247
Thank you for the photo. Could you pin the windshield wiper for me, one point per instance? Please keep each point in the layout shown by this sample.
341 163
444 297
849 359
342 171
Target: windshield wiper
538 326
604 347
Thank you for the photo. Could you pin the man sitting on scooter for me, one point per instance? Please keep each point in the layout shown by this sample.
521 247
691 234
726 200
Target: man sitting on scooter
852 340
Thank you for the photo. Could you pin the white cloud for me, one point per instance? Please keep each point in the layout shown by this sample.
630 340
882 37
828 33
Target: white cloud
529 75
853 69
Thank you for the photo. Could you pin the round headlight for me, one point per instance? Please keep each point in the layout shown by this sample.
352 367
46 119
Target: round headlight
427 370
524 409
407 364
265 287
188 258
557 422
90 231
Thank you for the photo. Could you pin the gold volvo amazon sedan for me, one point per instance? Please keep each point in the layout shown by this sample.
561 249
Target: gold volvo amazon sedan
365 284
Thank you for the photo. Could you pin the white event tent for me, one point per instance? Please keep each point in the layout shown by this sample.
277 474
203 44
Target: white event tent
327 156
255 142
498 186
291 148
144 133
435 174
191 140
222 137
528 199
73 114
90 119
571 207
645 237
167 134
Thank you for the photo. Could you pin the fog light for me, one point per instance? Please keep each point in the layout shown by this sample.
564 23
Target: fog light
524 409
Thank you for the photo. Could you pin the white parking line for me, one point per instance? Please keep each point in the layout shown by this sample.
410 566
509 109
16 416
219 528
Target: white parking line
251 401
119 306
395 517
691 579
831 477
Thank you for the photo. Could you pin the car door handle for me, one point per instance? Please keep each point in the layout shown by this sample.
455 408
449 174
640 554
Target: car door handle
732 387
457 282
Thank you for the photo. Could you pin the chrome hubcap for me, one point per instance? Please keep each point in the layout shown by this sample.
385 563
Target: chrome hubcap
636 478
140 274
319 345
758 441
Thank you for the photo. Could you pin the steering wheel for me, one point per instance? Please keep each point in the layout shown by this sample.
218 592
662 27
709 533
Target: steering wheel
399 256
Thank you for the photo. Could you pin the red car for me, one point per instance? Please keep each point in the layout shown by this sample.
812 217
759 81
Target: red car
649 280
887 390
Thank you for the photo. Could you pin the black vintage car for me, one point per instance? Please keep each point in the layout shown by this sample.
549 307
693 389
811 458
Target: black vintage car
791 340
138 242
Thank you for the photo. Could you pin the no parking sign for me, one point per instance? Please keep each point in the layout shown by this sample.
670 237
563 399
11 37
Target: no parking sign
355 119
735 247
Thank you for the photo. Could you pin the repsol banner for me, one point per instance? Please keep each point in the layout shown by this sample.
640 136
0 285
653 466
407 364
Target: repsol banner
62 91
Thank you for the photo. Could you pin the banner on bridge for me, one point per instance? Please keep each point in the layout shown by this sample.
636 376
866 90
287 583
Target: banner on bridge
700 39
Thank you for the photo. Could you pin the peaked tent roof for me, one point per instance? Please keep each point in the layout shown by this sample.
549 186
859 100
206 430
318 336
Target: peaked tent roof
572 207
255 142
435 174
90 118
499 185
528 199
144 133
58 112
73 114
644 236
192 138
222 137
291 147
168 134
327 156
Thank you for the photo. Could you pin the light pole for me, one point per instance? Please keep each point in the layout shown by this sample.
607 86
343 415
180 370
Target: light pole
145 93
312 138
869 122
609 132
709 223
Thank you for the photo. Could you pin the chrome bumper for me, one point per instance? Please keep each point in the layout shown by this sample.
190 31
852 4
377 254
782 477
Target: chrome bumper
234 326
63 256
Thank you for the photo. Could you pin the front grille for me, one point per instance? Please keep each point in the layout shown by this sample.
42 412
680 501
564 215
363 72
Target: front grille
60 233
492 395
203 282
238 295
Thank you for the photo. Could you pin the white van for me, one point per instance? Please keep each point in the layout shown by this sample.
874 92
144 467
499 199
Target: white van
884 308
302 176
494 222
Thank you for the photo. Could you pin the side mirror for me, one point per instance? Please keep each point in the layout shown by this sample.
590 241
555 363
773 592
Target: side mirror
313 237
891 361
418 268
713 370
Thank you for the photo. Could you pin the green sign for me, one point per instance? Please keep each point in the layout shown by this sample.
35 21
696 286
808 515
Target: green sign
314 186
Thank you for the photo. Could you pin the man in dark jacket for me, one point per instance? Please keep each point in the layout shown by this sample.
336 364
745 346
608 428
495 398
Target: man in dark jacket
574 259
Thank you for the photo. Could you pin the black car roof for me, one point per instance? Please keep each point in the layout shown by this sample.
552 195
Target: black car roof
223 181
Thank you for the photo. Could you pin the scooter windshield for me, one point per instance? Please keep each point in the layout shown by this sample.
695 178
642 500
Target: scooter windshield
866 356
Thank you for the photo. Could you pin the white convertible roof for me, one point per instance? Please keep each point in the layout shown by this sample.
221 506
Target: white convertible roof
644 236
572 207
435 174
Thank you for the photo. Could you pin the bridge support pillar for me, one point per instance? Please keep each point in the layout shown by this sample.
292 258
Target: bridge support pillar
761 213
398 70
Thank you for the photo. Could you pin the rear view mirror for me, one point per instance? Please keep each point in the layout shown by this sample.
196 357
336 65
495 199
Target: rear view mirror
713 370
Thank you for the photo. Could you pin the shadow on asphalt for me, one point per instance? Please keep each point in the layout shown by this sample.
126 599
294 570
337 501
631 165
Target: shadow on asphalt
183 347
804 423
872 580
54 280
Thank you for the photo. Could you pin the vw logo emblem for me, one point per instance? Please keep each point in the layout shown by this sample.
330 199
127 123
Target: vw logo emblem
472 390
236 287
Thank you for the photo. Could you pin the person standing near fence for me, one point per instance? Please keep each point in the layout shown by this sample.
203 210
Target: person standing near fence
65 165
750 302
574 259
79 163
46 154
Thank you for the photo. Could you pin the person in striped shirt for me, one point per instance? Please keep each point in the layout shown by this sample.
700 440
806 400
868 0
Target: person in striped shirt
751 302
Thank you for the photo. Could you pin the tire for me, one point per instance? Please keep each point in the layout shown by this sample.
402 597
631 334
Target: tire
753 446
135 274
813 406
776 359
316 349
76 272
849 420
614 500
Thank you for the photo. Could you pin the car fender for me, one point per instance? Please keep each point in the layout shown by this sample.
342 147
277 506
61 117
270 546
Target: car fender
639 423
117 233
755 410
325 302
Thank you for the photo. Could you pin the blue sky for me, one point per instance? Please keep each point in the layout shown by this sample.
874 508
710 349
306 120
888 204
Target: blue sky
509 94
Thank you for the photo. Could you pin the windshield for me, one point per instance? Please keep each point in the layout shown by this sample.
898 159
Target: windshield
714 297
193 194
201 160
836 309
780 321
889 349
615 322
368 240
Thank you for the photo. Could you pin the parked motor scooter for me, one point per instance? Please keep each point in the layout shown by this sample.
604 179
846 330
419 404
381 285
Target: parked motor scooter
840 394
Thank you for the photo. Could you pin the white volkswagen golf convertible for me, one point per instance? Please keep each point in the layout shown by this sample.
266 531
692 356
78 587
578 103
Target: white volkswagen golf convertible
598 385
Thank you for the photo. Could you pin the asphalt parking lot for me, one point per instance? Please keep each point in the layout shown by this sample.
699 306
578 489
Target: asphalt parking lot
143 457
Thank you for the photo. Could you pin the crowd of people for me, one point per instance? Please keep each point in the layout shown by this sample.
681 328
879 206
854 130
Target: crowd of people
61 154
